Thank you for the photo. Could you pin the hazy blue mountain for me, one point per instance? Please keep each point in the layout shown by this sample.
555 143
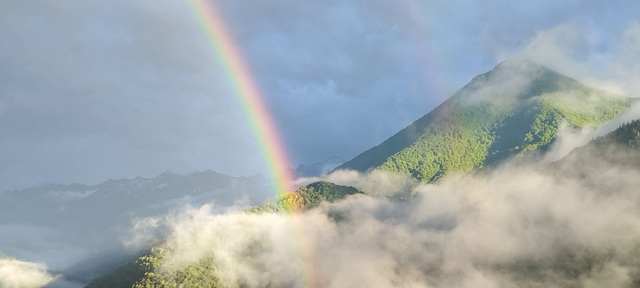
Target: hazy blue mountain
316 169
54 204
511 110
83 225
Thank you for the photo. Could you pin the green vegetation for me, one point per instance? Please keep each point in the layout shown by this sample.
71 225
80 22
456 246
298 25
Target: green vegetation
126 275
479 127
455 143
593 163
626 135
459 136
200 274
306 197
147 271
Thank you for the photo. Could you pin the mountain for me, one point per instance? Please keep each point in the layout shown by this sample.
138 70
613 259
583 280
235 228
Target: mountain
63 214
512 110
140 272
615 152
118 198
619 146
626 136
306 197
507 112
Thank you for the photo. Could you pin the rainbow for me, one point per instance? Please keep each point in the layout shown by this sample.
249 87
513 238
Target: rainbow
248 93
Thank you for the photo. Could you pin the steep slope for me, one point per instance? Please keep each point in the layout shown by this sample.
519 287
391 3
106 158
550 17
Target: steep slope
619 149
511 110
626 136
306 197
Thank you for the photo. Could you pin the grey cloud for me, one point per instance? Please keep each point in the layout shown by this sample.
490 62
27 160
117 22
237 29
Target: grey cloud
398 60
137 81
100 90
573 49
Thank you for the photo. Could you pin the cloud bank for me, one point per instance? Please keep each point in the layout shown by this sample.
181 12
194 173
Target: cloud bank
577 50
19 274
518 226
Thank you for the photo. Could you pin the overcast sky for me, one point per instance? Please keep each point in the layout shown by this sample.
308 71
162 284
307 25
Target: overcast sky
92 90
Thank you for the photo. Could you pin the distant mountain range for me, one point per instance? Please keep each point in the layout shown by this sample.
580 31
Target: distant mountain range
118 198
66 213
512 110
317 169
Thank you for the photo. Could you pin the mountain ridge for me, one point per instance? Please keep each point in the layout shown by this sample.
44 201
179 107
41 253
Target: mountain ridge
142 272
513 109
459 128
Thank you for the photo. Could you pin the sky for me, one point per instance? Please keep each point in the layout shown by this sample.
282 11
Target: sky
93 90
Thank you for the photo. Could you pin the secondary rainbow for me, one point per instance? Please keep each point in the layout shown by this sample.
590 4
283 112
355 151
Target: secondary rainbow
248 93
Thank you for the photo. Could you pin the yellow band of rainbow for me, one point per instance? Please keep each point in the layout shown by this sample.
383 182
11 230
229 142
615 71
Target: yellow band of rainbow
247 92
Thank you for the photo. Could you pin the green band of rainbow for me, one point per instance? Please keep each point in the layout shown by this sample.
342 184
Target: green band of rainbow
259 117
247 93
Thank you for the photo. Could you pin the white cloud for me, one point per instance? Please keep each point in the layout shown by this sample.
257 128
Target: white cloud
517 226
572 49
19 274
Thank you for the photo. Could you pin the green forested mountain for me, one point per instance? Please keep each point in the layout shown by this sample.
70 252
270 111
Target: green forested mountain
305 197
627 135
514 109
509 111
615 150
142 272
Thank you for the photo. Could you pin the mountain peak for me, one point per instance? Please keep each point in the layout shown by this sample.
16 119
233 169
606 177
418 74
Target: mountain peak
513 67
514 80
167 172
512 109
519 64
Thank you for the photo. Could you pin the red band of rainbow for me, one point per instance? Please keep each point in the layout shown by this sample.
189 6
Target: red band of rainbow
247 92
